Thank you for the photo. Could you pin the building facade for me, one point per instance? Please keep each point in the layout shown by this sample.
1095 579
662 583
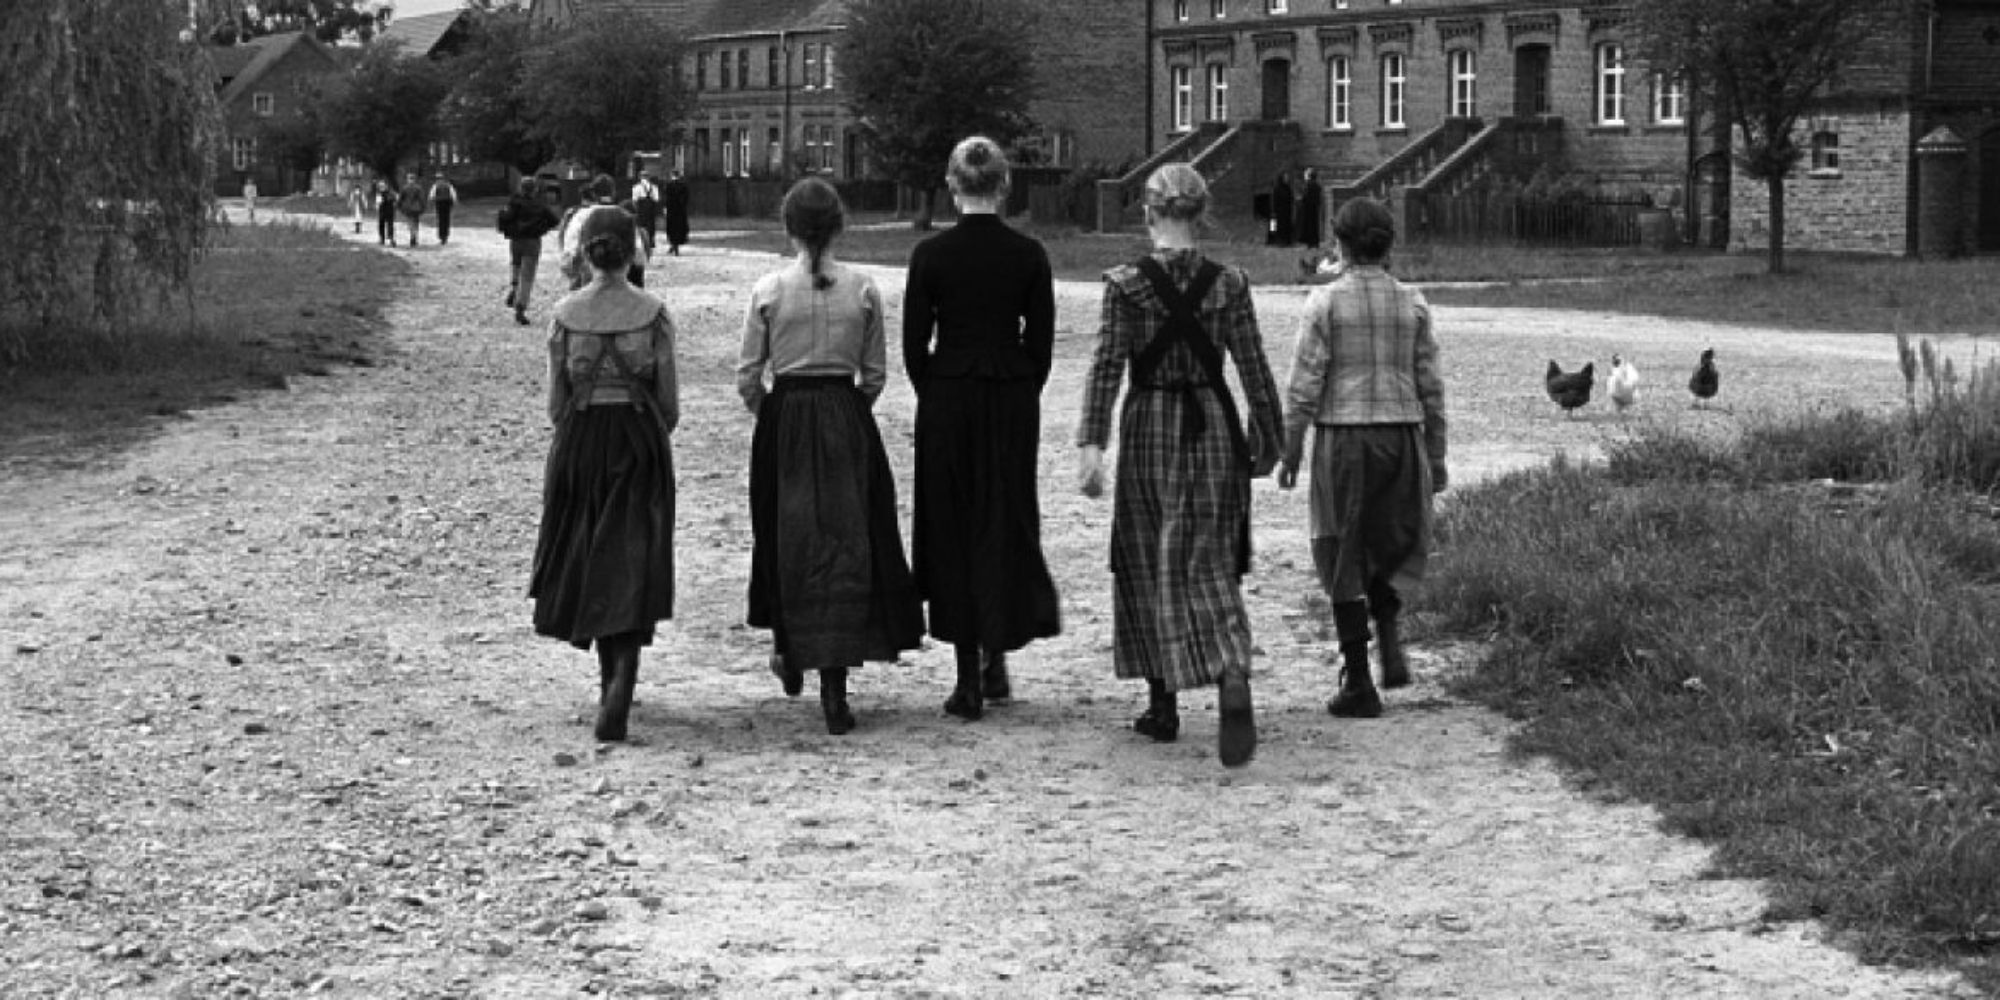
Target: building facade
259 83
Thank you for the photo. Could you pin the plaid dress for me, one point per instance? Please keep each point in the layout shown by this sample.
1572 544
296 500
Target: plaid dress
1179 507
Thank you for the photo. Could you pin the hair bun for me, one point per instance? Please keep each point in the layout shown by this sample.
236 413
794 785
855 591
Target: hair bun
978 155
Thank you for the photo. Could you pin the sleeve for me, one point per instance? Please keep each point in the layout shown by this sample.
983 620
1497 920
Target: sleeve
1246 346
1430 387
1038 332
558 373
666 369
1308 378
1107 369
918 319
874 343
755 351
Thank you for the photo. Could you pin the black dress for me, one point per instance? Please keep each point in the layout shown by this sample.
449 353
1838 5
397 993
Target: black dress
978 334
1311 207
674 205
1281 214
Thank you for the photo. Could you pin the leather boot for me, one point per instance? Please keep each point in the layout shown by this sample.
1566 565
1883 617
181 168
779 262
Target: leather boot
833 701
1395 664
1162 720
617 703
606 666
1236 735
966 701
994 684
1357 698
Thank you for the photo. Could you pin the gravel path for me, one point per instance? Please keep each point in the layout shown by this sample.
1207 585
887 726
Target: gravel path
276 724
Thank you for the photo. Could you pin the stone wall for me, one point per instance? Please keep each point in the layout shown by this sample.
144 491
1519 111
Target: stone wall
1863 205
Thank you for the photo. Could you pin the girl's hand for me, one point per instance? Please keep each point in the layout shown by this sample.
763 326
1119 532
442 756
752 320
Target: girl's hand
1090 470
1288 476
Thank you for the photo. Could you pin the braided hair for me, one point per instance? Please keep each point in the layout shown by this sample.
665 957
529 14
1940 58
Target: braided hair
814 215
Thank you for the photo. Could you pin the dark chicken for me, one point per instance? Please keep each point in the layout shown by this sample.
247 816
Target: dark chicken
1571 390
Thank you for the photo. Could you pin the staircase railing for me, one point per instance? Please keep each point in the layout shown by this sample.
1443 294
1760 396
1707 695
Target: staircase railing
1115 195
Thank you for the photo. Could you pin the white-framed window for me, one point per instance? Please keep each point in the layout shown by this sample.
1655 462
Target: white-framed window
743 150
263 105
811 60
242 153
1669 100
1610 84
1276 6
1217 9
1825 151
1339 93
774 151
1218 92
1464 83
1395 82
1183 102
1180 10
1339 4
826 70
728 152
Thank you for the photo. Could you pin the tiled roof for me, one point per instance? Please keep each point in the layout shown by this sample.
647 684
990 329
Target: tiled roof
420 34
254 58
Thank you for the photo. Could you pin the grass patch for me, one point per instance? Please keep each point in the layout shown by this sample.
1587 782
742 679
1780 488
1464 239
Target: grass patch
268 303
1808 676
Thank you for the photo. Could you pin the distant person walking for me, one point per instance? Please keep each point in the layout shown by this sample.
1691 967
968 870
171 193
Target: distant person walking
978 334
385 213
250 198
1180 526
604 557
827 573
1312 205
444 197
524 220
674 203
357 199
1365 379
646 210
410 202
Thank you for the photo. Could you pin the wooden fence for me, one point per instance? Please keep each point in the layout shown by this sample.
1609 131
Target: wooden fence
1508 218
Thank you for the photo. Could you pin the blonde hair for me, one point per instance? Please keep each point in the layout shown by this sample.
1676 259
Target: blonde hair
1177 191
978 168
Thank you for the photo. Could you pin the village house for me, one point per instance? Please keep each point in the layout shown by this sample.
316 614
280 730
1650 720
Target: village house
258 82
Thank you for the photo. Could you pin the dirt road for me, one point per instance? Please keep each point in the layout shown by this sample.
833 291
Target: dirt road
276 724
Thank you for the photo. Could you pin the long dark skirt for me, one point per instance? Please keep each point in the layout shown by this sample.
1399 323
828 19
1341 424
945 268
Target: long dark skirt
827 573
1371 508
604 561
976 540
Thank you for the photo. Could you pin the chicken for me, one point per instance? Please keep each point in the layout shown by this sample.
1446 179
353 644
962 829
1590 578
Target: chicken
1573 389
1706 380
1623 386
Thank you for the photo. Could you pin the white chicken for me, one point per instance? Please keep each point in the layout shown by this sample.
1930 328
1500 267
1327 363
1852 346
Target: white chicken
1624 384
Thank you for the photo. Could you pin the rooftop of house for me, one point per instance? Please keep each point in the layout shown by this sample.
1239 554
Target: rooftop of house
421 34
238 67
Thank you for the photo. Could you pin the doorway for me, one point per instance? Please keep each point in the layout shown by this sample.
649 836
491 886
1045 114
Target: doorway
1277 90
1531 80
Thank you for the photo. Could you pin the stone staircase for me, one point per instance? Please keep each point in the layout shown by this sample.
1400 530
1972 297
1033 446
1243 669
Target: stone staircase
1238 159
1446 161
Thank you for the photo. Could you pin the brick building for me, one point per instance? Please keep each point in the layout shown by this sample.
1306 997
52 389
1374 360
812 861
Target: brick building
266 79
768 89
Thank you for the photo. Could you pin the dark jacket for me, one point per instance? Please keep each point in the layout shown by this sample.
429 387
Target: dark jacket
526 218
988 295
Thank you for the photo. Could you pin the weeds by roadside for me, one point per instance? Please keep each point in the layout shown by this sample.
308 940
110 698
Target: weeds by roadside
1806 674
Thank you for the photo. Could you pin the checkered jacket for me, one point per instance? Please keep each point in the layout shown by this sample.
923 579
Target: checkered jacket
1365 355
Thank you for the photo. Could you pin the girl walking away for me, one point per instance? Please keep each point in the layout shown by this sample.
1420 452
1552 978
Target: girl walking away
357 199
524 221
410 202
444 198
1180 524
827 573
1365 378
978 332
604 560
385 213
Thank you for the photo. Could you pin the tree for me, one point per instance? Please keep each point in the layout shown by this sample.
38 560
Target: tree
921 75
487 111
605 87
110 128
328 20
385 109
1761 65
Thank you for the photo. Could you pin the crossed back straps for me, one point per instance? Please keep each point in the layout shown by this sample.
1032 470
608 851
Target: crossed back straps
1184 326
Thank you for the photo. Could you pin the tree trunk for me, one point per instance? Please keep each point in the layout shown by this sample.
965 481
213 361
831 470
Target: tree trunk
1777 251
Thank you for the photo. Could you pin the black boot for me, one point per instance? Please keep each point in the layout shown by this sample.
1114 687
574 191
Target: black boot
966 701
606 667
1357 698
789 677
1162 720
1395 664
1236 736
993 681
617 703
833 701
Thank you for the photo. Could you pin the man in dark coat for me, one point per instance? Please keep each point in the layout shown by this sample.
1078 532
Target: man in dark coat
1311 207
674 199
1281 210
